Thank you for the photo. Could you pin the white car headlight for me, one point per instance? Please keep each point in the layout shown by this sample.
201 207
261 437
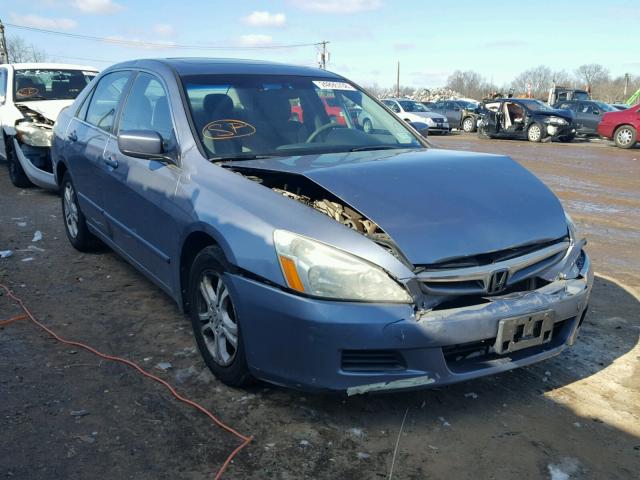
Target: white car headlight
319 270
557 120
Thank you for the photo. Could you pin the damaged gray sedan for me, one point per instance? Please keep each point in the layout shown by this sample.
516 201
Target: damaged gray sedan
31 97
310 253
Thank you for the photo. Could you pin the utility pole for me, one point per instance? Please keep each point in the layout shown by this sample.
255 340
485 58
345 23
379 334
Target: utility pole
4 55
323 57
626 84
398 81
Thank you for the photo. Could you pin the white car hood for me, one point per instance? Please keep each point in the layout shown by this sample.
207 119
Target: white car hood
47 108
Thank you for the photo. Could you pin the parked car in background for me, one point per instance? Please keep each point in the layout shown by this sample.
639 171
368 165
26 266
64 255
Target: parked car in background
559 94
587 114
622 127
461 114
31 97
414 111
620 106
311 254
529 119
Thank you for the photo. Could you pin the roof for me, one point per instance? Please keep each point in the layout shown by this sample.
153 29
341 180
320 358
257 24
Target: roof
230 66
52 66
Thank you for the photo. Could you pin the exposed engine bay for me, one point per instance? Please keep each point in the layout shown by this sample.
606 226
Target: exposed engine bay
309 193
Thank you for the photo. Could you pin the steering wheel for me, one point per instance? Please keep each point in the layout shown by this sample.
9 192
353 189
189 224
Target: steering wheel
323 128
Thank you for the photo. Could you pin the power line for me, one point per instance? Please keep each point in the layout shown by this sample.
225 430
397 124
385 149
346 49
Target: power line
137 43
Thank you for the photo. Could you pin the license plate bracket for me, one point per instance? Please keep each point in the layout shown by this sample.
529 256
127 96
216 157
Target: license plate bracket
524 331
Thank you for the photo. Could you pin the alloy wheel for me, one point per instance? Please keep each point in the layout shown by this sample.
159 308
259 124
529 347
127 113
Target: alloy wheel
70 210
534 133
217 317
624 136
467 125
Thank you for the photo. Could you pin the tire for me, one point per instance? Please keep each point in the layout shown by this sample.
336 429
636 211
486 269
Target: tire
625 136
534 133
468 125
75 224
367 126
215 324
16 173
567 138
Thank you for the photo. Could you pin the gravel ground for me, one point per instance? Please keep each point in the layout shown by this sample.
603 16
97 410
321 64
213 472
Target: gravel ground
66 414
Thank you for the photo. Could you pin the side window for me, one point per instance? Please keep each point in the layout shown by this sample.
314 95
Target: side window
147 108
586 108
3 83
82 111
101 110
392 105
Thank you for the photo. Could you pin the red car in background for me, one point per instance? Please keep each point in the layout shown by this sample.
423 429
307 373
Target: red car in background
331 106
621 127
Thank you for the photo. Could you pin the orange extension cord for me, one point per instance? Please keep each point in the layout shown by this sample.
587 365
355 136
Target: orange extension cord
28 315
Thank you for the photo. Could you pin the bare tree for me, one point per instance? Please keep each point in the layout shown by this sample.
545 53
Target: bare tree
22 52
592 74
539 79
468 83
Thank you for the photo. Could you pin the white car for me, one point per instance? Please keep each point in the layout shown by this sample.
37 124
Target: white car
414 111
31 97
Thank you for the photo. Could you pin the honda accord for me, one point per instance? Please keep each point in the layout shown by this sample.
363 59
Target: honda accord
311 253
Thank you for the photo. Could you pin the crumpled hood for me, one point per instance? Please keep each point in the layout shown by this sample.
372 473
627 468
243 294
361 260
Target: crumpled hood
47 108
556 112
436 204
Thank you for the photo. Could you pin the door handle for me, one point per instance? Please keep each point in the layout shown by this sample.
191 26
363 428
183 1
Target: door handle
72 136
111 161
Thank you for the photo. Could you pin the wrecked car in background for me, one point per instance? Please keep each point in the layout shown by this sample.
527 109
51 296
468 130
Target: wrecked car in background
461 114
524 118
312 254
31 97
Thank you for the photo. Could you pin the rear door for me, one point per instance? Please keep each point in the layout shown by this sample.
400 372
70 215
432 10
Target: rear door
453 113
87 137
590 116
139 193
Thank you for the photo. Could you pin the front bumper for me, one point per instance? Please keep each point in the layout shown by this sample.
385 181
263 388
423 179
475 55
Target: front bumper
302 342
39 177
555 130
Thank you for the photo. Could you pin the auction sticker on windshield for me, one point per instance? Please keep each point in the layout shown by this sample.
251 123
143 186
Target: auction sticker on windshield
328 85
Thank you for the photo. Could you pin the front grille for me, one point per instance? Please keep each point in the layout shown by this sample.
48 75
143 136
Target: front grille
372 361
477 275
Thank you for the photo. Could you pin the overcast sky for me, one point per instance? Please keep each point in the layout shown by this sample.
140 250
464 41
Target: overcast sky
499 39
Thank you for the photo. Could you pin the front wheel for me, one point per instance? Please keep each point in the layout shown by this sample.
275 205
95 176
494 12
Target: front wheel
534 134
16 172
75 224
468 125
214 319
367 126
625 137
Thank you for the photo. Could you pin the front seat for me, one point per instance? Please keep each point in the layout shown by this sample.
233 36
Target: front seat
275 108
219 106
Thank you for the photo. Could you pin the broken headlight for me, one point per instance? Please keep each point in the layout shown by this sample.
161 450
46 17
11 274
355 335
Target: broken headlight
34 135
317 269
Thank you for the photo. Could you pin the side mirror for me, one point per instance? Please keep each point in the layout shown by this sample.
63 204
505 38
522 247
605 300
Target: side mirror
456 109
596 112
421 128
146 144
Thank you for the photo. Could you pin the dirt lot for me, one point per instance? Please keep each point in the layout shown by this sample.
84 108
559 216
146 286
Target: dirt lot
576 416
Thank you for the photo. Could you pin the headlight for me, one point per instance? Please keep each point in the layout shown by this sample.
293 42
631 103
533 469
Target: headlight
556 120
320 270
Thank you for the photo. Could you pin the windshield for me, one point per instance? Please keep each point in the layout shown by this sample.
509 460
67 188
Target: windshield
266 115
410 106
537 105
43 84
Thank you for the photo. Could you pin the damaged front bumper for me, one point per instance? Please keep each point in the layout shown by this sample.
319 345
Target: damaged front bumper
32 144
320 345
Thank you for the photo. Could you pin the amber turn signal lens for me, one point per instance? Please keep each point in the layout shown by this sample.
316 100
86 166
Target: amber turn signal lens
291 273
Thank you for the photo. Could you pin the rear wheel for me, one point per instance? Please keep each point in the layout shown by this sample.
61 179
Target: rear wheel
75 224
214 319
16 172
534 134
468 125
625 136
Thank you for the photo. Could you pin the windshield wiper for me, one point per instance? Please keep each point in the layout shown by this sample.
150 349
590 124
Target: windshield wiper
234 158
374 147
